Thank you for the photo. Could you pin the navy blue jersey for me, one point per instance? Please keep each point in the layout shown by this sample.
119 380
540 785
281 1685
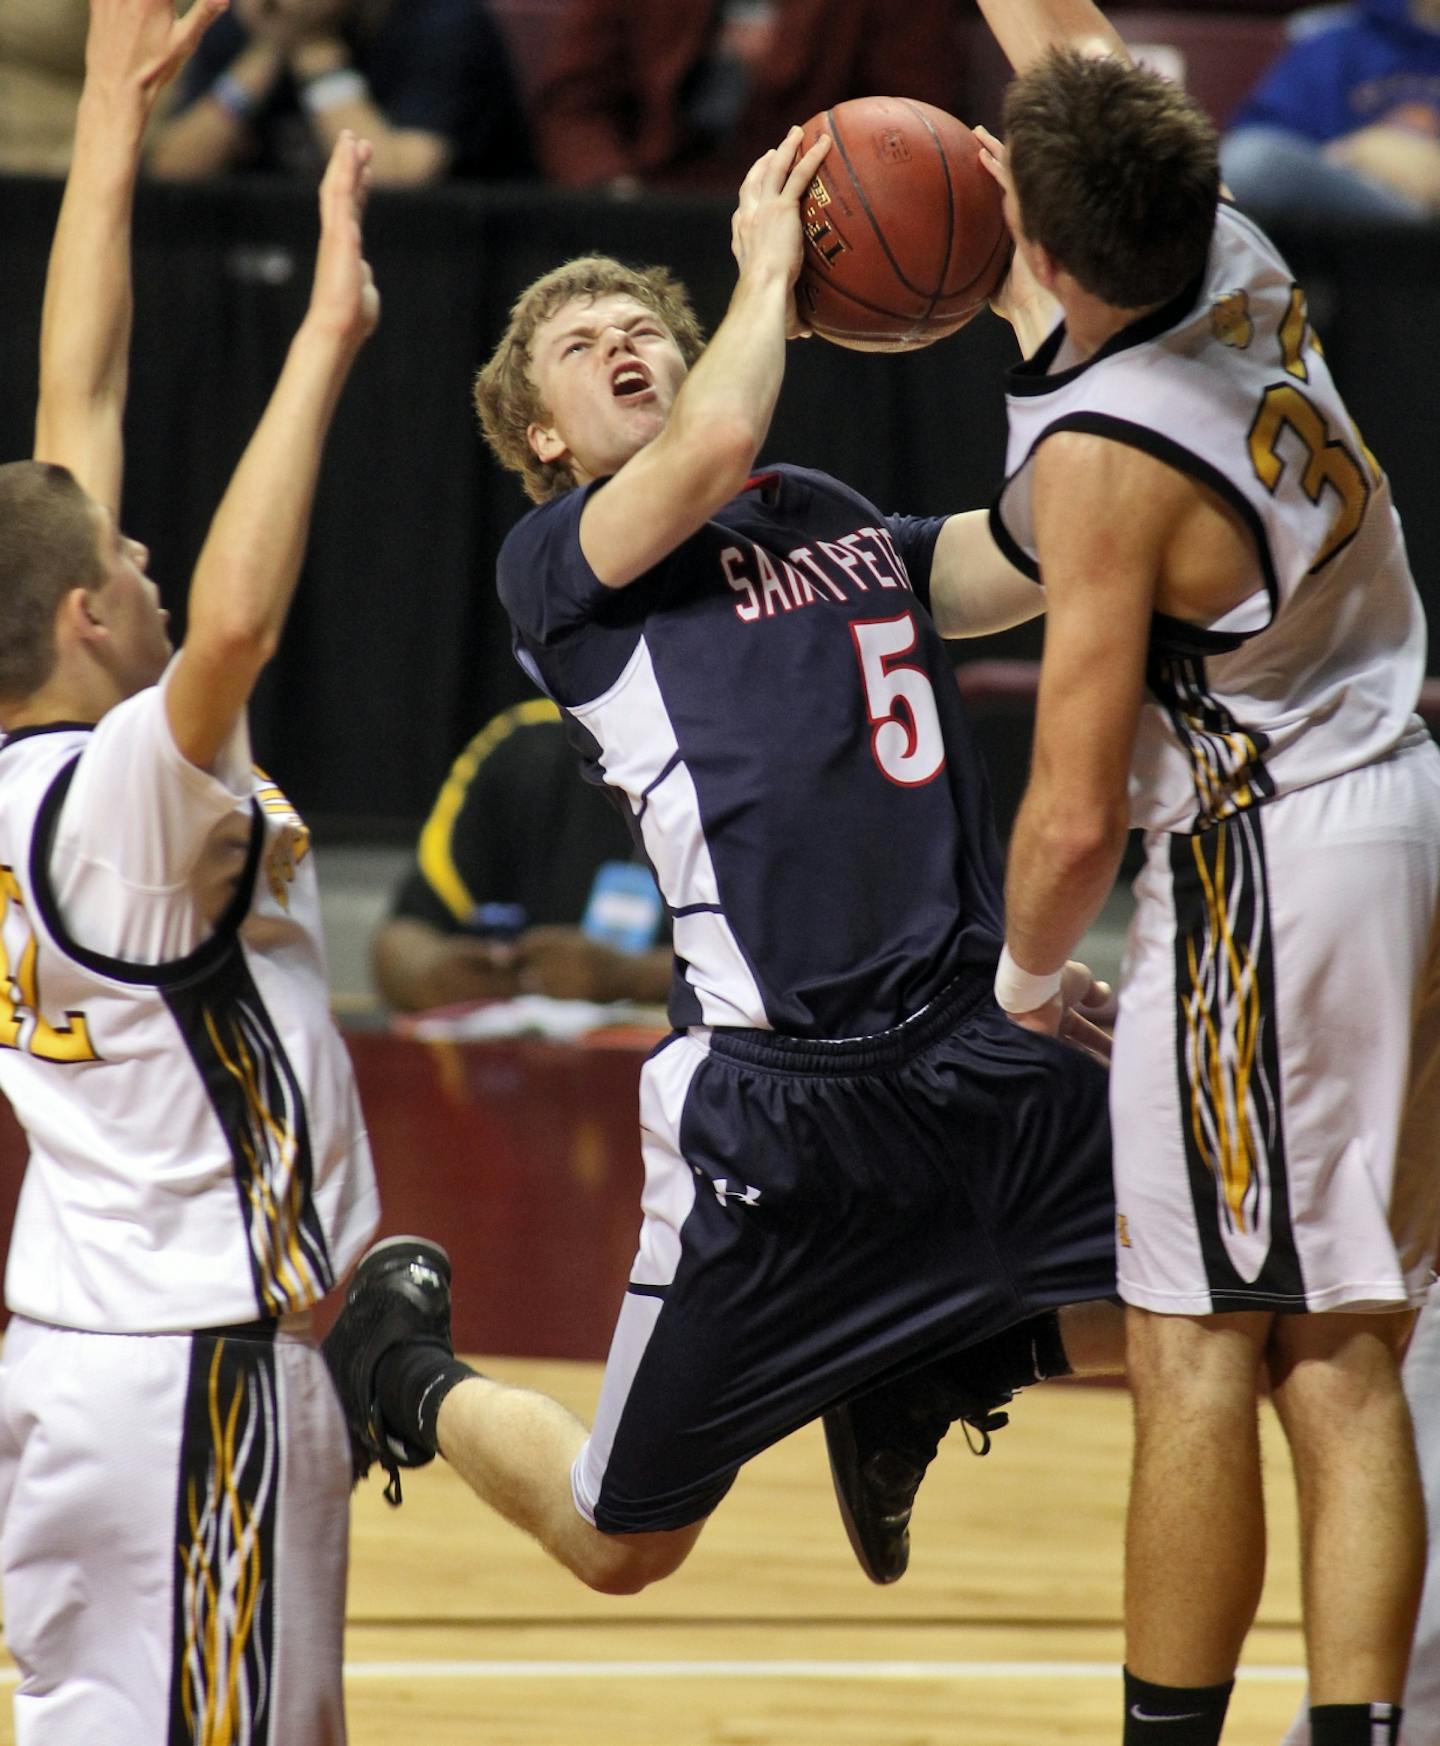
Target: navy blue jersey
777 708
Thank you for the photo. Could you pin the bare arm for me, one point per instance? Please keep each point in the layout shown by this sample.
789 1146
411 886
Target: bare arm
401 156
705 453
1101 574
248 568
134 48
417 966
1028 29
209 136
974 588
299 36
566 964
1396 157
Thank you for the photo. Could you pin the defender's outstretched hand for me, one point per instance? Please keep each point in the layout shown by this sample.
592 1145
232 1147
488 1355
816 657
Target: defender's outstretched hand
142 43
765 232
344 300
1021 299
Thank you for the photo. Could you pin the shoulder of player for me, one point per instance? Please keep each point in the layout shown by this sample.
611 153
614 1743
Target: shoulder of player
1105 512
541 536
1087 475
793 486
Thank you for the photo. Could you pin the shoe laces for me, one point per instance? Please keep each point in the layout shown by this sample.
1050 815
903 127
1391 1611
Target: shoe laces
914 1434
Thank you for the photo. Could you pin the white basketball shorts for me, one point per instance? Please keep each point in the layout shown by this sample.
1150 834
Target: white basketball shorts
175 1532
1275 1088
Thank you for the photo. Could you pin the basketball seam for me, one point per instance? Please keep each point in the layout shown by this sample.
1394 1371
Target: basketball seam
918 322
859 190
966 311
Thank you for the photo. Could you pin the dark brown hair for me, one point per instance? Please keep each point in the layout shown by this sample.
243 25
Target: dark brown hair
1117 174
47 547
505 394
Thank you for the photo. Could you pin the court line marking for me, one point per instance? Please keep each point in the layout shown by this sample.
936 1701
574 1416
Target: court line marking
421 1671
820 1670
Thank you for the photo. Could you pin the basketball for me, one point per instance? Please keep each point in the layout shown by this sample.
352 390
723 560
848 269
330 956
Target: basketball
905 238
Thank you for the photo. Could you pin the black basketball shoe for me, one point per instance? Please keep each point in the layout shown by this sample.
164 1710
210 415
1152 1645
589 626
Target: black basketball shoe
880 1445
400 1292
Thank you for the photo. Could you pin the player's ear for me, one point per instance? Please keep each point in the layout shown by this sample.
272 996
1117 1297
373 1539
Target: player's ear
76 620
546 442
1043 265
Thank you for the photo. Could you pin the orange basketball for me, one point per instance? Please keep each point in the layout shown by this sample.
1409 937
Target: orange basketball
905 238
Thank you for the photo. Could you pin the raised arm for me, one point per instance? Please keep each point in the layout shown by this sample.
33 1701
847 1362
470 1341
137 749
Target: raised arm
1027 29
721 414
251 559
134 48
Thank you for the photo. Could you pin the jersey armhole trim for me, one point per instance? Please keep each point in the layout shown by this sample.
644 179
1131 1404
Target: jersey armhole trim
1010 547
176 970
1173 454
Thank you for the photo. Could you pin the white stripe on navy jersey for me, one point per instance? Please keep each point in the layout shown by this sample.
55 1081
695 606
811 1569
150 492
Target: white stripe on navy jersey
780 714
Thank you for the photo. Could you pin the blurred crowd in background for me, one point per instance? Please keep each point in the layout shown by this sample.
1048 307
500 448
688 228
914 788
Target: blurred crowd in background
1332 108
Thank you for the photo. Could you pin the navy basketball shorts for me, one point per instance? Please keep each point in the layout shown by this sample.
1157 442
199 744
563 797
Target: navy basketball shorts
819 1216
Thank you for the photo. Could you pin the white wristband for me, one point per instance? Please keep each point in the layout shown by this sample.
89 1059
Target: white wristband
233 97
1018 990
330 90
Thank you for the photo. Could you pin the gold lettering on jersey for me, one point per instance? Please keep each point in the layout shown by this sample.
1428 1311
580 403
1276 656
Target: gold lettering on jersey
1328 463
1294 330
22 1025
289 842
1230 320
1122 1230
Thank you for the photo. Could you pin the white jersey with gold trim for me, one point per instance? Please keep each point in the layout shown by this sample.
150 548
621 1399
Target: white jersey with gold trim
197 1151
1320 670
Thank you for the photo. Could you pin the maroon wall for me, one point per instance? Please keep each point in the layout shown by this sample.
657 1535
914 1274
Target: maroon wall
521 1157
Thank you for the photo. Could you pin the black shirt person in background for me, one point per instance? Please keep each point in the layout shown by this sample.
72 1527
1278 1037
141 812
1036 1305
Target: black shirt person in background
428 81
525 882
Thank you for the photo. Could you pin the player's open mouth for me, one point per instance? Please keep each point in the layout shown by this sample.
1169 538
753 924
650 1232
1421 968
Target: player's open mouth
629 381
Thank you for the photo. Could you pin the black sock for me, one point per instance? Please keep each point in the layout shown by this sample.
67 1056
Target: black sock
411 1380
1354 1724
1050 1358
995 1368
1174 1715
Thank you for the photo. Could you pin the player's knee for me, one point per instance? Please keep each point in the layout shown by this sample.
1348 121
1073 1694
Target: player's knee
622 1564
1352 1379
1203 1362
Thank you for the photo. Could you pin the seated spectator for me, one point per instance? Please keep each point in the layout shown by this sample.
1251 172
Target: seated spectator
656 93
1347 121
42 64
526 882
428 82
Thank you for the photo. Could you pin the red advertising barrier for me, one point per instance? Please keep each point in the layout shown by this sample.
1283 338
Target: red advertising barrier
522 1157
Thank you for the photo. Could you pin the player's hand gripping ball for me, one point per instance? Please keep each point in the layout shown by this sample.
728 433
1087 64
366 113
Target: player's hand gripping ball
905 236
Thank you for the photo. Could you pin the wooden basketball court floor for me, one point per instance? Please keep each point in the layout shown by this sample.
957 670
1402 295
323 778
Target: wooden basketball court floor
1004 1632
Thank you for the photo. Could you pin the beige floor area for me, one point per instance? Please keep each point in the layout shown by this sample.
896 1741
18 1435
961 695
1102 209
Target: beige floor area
1004 1632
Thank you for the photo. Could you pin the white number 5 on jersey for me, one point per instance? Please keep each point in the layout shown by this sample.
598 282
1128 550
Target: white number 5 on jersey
906 742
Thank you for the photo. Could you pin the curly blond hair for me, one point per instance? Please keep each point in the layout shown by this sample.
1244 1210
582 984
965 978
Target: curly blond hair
505 394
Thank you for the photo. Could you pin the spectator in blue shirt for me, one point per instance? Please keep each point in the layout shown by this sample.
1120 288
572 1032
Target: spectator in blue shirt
1347 121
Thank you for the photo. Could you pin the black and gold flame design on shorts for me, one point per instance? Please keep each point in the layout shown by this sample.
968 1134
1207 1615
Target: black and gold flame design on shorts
230 1467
